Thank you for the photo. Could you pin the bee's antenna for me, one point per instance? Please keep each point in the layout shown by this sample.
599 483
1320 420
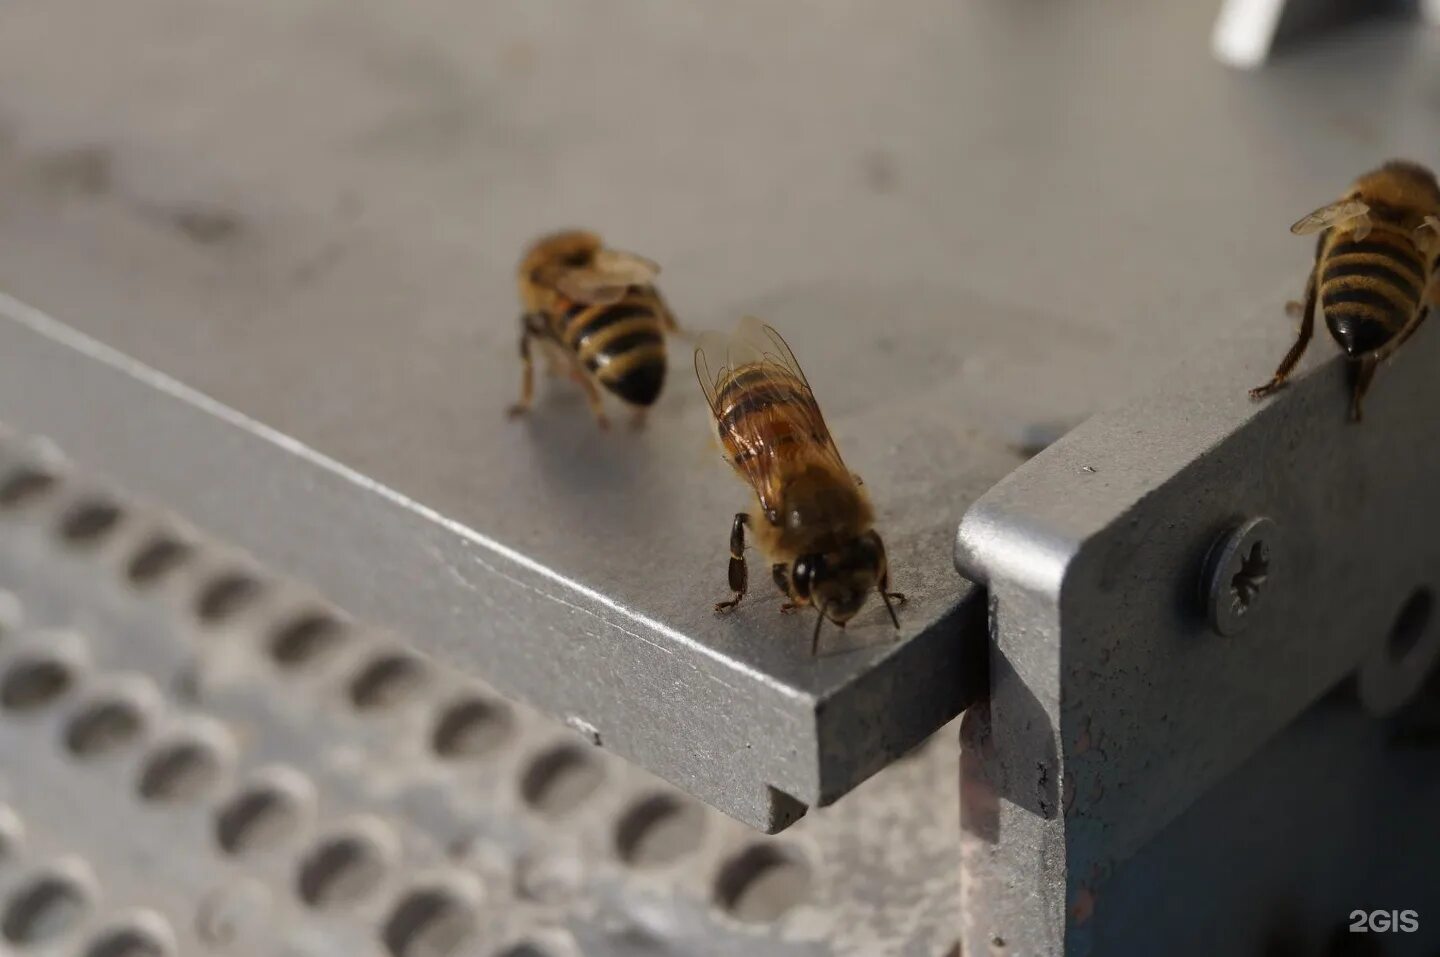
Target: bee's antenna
890 608
815 640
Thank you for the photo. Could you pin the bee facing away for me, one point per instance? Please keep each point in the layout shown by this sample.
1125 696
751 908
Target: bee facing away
1374 271
811 517
597 313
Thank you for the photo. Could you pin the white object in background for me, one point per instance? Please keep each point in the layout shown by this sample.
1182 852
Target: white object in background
1245 30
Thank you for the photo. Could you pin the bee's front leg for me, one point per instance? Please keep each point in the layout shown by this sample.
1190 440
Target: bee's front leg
738 576
781 573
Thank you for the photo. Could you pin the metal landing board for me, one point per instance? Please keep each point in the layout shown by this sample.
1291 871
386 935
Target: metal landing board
734 710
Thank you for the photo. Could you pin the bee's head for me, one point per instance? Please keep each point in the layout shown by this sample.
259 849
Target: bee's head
567 249
550 256
839 580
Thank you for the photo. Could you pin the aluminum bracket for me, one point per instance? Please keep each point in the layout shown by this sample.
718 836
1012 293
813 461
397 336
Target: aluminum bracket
1114 704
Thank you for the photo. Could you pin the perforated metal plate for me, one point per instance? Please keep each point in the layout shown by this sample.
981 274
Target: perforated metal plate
196 758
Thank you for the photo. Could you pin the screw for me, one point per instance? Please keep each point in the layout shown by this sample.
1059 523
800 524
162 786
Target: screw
1236 570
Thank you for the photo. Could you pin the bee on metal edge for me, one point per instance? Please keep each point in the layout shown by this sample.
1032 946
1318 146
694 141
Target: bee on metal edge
597 314
811 519
1374 272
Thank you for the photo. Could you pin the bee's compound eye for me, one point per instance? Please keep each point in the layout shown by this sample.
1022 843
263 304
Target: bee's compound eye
807 569
801 574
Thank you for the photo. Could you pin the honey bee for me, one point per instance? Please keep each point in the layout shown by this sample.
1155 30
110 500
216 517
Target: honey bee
812 518
1374 271
597 313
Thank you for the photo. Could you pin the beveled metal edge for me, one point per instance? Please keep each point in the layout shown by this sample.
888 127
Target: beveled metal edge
751 745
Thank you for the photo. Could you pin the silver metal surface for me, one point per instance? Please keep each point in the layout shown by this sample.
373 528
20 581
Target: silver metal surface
735 709
338 795
1393 672
1236 570
1334 814
309 210
1112 710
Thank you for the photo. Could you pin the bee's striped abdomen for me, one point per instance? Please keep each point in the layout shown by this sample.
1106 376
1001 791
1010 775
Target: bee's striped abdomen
766 399
622 344
1370 288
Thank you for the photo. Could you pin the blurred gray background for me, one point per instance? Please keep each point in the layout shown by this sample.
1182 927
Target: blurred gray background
282 202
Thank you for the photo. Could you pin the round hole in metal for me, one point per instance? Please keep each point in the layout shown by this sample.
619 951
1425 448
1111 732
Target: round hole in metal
42 910
32 683
659 830
179 771
762 883
103 726
340 871
559 780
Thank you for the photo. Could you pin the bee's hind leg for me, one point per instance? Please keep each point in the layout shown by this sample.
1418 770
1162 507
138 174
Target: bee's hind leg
1362 373
592 395
1307 329
1388 349
1363 370
527 375
738 575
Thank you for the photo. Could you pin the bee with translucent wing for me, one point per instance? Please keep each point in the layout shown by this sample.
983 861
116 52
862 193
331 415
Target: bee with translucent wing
598 314
811 518
1374 272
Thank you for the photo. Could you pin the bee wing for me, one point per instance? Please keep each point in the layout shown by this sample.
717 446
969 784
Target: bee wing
629 268
754 341
1336 214
606 279
711 366
1431 223
773 374
778 351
